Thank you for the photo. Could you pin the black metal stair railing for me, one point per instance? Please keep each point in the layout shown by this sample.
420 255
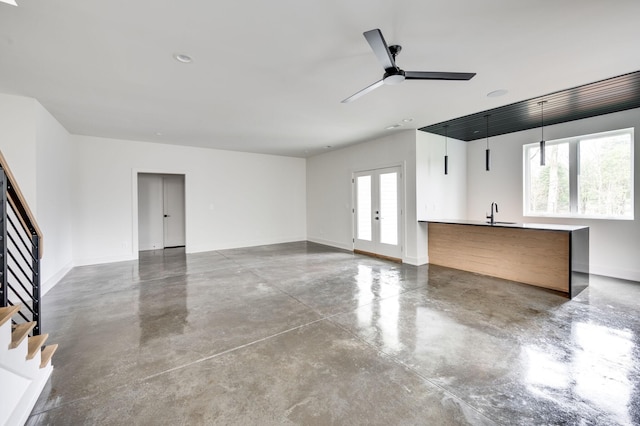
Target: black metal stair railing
20 252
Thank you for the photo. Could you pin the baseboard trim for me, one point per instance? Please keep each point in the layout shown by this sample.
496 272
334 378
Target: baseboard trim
55 279
241 244
416 261
614 273
330 243
379 256
102 260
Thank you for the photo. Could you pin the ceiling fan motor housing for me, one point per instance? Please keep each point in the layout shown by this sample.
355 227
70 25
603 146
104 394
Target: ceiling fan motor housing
393 76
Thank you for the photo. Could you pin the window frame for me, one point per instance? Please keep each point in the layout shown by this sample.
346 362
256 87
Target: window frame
574 178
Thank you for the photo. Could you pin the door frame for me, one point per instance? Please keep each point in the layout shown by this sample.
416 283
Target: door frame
401 201
135 247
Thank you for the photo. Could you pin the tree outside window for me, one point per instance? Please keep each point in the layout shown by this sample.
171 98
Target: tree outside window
586 176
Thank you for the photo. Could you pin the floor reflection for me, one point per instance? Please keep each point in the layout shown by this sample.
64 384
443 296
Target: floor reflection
519 345
602 367
383 314
369 313
161 263
599 370
162 302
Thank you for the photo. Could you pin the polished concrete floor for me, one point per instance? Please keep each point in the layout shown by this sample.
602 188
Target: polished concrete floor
301 333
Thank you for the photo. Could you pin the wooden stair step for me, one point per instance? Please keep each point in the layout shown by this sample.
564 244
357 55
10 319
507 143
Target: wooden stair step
7 312
20 332
46 355
35 343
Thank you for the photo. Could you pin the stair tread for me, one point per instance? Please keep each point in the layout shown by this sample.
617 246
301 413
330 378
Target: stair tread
46 354
7 312
35 343
20 332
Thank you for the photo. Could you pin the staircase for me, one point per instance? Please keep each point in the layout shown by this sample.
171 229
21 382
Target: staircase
24 368
25 363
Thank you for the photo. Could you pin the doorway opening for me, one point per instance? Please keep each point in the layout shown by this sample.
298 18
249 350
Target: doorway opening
161 211
377 213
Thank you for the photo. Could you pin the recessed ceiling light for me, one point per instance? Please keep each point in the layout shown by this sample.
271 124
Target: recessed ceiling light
497 93
12 2
393 126
407 120
181 57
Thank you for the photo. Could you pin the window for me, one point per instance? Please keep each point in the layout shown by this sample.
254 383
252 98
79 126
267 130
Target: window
587 176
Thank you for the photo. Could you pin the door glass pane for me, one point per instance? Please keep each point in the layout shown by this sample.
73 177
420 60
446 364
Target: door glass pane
363 188
389 208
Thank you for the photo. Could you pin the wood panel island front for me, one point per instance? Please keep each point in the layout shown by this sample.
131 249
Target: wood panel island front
544 255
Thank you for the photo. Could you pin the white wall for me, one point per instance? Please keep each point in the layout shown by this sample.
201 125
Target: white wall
329 190
614 244
233 199
439 196
53 201
38 151
18 141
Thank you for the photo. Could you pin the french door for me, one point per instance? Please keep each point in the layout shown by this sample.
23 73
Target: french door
377 212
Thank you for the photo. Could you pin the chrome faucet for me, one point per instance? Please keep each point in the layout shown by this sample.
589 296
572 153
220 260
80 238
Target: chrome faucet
492 214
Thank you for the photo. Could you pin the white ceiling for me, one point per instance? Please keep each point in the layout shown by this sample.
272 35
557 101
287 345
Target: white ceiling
268 76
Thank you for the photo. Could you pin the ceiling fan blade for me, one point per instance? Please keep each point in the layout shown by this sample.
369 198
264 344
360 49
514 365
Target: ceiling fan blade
363 92
437 75
380 48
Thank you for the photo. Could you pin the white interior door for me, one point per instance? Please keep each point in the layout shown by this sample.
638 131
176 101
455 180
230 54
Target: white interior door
150 221
174 217
377 212
161 211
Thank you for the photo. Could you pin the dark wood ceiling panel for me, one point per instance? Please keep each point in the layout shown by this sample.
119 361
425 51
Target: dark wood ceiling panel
602 97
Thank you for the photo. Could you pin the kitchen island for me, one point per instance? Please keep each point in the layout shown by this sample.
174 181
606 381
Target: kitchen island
544 255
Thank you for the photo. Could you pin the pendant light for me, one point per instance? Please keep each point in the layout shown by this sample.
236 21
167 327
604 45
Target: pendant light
542 142
446 156
487 156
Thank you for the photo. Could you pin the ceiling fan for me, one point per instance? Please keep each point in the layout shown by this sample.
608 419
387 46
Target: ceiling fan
392 73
